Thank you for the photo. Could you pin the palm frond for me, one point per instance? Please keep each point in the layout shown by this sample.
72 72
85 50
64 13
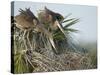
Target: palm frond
70 30
71 23
21 66
68 20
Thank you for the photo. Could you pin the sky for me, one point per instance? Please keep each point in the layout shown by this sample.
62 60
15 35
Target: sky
87 25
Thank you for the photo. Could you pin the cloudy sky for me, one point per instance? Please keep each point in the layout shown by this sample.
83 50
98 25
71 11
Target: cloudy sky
88 16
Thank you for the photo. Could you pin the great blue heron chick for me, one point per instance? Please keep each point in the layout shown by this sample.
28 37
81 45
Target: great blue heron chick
52 19
26 21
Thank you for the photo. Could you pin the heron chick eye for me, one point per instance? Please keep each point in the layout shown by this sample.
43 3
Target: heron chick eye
34 22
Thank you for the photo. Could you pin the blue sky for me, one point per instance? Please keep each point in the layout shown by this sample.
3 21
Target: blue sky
88 16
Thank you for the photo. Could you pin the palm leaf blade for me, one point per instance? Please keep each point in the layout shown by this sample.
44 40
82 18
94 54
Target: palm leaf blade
68 20
71 23
70 29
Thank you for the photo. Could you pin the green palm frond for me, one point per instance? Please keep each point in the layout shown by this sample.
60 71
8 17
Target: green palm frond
68 20
59 36
20 64
71 23
70 30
